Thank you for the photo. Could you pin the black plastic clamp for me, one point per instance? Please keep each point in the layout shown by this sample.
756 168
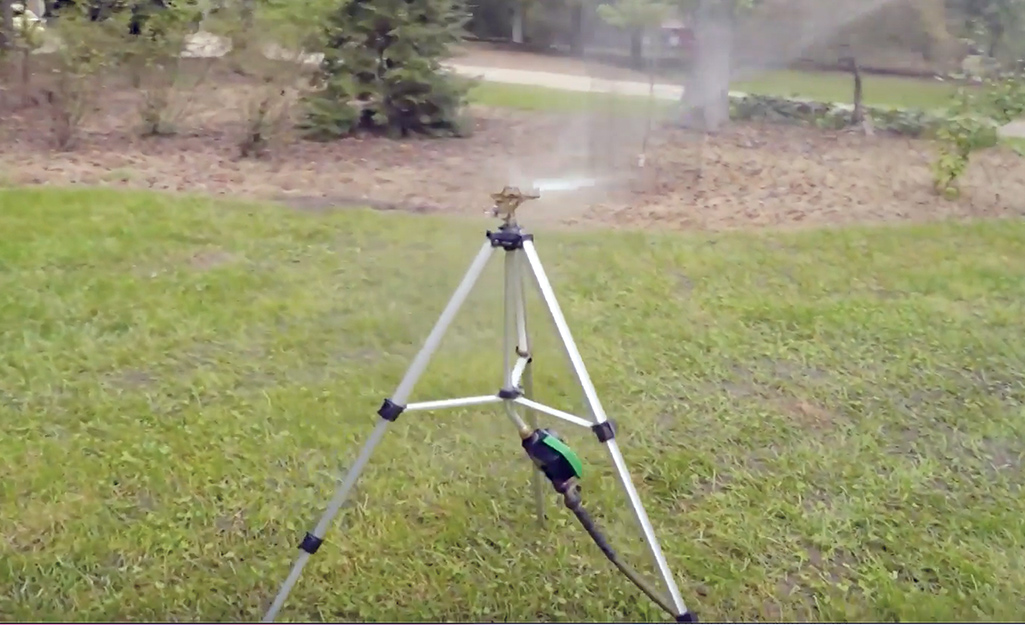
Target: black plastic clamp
389 410
686 617
510 393
311 543
509 238
522 353
605 431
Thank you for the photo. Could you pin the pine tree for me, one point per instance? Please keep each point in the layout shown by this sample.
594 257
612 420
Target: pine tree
382 70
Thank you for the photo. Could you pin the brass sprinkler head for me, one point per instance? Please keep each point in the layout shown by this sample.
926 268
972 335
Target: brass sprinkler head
508 200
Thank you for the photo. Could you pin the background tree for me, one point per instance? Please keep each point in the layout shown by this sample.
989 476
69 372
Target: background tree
641 18
548 22
972 123
497 19
6 25
90 54
382 70
706 104
993 23
742 38
279 36
910 35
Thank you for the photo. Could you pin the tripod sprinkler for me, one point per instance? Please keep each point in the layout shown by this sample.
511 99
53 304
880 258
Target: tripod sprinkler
553 460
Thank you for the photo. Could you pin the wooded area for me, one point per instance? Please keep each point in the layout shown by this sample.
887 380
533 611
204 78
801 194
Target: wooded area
909 35
898 35
382 69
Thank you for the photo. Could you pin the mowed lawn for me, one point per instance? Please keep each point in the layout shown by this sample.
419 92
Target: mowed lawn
824 425
880 91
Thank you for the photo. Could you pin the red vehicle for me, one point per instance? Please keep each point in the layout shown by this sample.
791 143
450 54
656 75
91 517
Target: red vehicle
677 35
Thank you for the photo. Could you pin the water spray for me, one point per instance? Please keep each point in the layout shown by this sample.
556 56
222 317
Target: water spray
564 184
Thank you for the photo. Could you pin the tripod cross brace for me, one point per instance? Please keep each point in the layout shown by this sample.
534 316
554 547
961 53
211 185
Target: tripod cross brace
555 462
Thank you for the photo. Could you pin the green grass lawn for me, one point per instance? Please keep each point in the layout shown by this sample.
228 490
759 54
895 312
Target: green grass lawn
531 98
824 425
1015 143
883 91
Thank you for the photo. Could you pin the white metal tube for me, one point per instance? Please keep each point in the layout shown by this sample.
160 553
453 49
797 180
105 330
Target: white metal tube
553 412
523 372
341 494
522 339
441 404
646 527
509 329
591 396
517 371
402 392
552 304
514 416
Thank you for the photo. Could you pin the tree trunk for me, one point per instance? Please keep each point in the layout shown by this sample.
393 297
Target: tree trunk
517 22
996 35
248 15
7 25
637 48
706 103
576 28
858 116
26 75
241 44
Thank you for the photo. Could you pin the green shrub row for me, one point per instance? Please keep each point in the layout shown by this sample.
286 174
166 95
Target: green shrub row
829 115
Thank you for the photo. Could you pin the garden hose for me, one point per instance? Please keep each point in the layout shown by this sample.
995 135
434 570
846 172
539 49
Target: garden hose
571 498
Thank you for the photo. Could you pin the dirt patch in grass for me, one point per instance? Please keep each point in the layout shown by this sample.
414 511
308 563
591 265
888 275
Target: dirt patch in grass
210 259
781 176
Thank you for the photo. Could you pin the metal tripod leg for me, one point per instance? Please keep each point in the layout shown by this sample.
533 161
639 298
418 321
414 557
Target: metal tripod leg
512 363
591 396
514 277
389 412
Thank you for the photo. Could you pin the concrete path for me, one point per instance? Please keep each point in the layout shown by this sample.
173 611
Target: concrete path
567 82
1014 130
206 45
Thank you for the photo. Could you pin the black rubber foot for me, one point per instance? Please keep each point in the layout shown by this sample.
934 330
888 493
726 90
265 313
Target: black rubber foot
686 617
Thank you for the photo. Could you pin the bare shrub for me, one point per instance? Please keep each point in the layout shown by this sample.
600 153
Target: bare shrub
82 62
278 39
6 72
23 33
166 79
267 118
